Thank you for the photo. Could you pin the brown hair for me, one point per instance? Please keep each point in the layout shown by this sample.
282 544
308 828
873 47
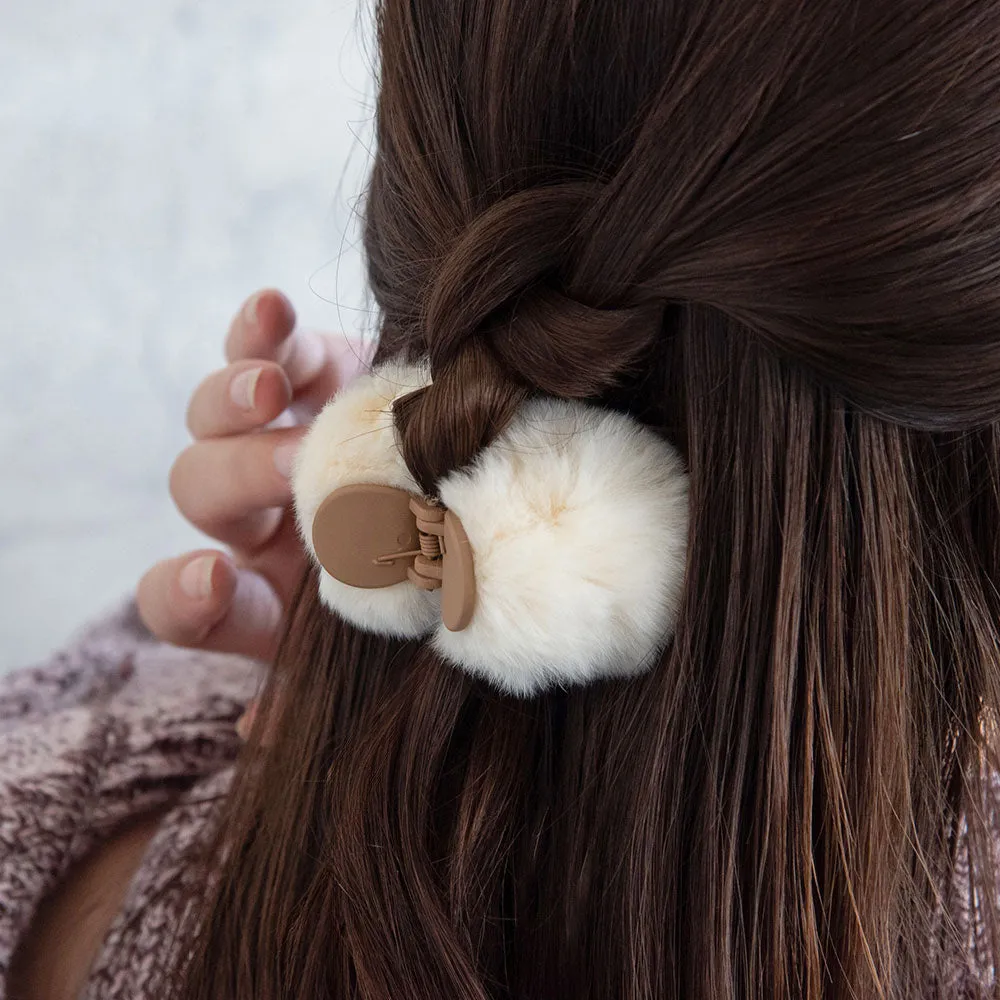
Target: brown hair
769 229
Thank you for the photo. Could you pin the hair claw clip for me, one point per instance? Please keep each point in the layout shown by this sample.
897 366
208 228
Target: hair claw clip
371 536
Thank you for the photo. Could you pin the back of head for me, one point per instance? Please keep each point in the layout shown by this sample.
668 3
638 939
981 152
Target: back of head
767 230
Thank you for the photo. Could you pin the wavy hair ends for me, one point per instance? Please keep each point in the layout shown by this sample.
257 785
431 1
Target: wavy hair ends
769 230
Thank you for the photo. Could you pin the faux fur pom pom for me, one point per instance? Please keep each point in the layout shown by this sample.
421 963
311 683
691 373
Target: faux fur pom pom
577 517
577 521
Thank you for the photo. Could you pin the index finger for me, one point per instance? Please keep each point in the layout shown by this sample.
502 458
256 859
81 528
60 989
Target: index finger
316 365
263 324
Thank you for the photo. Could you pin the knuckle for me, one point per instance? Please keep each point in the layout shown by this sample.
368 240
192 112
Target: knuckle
191 413
200 390
175 477
179 480
153 608
144 600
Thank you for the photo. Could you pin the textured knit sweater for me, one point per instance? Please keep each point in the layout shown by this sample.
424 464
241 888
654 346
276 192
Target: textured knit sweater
119 724
114 726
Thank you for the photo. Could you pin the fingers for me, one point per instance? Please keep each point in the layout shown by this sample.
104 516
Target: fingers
180 600
232 488
264 329
316 365
203 600
264 322
282 562
237 399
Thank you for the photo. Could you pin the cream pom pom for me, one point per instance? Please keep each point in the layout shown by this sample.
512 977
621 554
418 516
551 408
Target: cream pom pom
576 518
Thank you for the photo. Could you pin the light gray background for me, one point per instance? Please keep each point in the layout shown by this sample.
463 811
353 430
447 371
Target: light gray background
158 162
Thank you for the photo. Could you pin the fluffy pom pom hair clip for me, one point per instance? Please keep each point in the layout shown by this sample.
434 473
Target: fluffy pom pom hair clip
557 557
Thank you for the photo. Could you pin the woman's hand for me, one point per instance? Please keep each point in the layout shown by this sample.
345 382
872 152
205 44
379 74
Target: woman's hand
233 483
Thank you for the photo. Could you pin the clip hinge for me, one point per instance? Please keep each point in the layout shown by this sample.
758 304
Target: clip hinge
427 571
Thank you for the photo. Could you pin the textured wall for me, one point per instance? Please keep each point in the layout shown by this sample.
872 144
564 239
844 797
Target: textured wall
158 161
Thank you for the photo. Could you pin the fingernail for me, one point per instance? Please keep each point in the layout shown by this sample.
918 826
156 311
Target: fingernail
284 458
196 578
250 309
243 388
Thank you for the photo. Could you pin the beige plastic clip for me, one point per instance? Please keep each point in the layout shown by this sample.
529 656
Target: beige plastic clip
372 536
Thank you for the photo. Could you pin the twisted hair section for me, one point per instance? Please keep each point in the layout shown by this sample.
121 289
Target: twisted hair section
499 324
